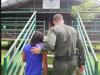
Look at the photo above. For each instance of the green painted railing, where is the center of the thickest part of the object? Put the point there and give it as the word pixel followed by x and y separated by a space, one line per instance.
pixel 14 63
pixel 11 29
pixel 91 64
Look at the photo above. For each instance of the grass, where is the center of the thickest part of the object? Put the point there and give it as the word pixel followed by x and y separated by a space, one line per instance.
pixel 96 46
pixel 50 60
pixel 98 56
pixel 3 52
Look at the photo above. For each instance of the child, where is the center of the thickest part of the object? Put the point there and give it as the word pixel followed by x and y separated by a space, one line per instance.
pixel 33 61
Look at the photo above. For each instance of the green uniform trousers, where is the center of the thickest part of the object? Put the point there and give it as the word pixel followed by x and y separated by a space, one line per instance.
pixel 65 68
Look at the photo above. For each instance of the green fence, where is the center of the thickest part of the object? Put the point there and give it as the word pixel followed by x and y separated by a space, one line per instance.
pixel 91 66
pixel 11 29
pixel 14 63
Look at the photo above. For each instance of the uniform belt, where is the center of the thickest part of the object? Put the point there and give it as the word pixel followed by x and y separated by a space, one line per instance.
pixel 67 58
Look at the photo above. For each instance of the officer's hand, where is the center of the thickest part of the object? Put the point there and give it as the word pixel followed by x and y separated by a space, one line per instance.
pixel 35 50
pixel 80 70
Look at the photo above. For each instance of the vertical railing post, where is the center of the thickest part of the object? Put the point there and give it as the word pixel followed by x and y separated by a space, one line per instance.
pixel 44 27
pixel 96 68
pixel 35 22
pixel 5 66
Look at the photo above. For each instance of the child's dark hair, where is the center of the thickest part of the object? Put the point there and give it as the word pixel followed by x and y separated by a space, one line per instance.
pixel 36 38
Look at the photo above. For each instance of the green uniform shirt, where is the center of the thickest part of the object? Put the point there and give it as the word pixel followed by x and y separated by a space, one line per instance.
pixel 63 40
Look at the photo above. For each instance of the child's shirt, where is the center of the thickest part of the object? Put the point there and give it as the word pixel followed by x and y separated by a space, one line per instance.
pixel 33 61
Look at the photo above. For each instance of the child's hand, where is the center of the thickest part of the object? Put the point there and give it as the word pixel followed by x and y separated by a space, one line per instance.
pixel 35 50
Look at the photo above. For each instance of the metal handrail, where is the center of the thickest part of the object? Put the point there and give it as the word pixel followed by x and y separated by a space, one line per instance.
pixel 85 46
pixel 31 27
pixel 90 69
pixel 87 37
pixel 20 34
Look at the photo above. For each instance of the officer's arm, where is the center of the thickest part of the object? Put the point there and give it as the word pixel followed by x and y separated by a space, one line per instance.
pixel 50 41
pixel 48 44
pixel 81 49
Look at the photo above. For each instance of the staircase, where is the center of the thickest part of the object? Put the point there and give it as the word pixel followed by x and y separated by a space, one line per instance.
pixel 15 66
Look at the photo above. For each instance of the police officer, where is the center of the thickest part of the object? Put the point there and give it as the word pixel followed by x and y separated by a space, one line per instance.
pixel 63 41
